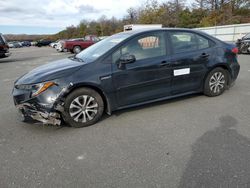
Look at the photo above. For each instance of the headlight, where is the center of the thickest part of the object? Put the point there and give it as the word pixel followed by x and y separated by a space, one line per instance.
pixel 36 89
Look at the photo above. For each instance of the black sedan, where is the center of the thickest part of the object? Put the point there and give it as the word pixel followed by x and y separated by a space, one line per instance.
pixel 125 70
pixel 43 42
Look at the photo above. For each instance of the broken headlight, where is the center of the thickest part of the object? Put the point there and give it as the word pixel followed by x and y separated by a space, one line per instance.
pixel 36 89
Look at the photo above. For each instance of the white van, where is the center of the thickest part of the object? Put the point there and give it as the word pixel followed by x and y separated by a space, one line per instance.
pixel 141 26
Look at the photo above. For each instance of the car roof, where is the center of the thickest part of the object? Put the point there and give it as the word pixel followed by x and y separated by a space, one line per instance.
pixel 158 29
pixel 141 31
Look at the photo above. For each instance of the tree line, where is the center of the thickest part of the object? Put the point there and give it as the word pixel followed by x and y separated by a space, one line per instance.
pixel 171 13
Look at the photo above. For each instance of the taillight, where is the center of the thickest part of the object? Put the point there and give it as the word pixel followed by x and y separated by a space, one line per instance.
pixel 235 50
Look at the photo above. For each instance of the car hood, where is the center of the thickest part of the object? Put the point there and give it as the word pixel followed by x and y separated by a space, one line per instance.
pixel 50 71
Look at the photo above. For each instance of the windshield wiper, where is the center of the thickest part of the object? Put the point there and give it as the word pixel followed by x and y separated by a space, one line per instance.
pixel 74 58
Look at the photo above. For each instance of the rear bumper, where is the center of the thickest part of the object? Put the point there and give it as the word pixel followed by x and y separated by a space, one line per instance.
pixel 235 69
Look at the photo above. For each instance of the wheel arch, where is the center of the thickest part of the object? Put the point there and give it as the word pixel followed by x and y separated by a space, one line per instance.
pixel 76 45
pixel 223 66
pixel 107 107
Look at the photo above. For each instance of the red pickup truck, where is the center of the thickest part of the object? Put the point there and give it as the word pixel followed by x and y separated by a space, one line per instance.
pixel 77 45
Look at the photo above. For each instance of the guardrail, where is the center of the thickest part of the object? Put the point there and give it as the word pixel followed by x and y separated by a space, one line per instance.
pixel 228 33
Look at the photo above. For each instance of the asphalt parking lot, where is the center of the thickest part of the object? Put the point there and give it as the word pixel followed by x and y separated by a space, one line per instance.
pixel 193 141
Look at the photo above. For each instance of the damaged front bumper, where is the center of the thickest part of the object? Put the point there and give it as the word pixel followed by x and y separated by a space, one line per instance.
pixel 46 107
pixel 28 110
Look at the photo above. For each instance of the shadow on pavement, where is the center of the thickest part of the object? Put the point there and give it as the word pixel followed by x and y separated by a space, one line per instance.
pixel 220 158
pixel 12 60
pixel 154 104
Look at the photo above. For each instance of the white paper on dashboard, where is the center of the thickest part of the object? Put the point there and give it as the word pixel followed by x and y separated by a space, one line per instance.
pixel 179 72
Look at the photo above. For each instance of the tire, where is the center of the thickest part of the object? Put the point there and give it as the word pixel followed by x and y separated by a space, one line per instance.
pixel 216 82
pixel 77 49
pixel 83 107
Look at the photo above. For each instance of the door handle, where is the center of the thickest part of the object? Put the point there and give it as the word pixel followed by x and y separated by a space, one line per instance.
pixel 204 55
pixel 164 63
pixel 176 62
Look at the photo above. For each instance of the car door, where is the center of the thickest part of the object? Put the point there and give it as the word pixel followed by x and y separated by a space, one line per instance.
pixel 149 77
pixel 190 54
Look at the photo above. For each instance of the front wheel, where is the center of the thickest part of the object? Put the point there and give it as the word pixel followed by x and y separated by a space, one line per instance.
pixel 83 107
pixel 216 82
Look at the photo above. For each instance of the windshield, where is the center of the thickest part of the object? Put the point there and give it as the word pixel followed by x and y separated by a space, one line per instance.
pixel 93 52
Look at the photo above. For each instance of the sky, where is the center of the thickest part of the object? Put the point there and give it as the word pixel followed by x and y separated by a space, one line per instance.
pixel 52 16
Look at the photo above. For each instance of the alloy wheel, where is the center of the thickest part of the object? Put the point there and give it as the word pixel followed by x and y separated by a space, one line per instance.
pixel 83 108
pixel 217 82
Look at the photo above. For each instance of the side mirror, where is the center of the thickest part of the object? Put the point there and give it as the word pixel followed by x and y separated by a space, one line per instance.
pixel 127 58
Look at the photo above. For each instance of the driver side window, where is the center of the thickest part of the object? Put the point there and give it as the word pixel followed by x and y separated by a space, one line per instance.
pixel 143 47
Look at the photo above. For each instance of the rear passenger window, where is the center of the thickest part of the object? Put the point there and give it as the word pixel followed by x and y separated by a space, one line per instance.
pixel 187 41
pixel 183 42
pixel 202 42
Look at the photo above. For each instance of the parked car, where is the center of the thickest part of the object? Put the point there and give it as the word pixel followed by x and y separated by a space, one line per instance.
pixel 43 42
pixel 243 44
pixel 59 46
pixel 11 45
pixel 33 43
pixel 15 44
pixel 4 48
pixel 126 70
pixel 77 45
pixel 26 43
pixel 54 44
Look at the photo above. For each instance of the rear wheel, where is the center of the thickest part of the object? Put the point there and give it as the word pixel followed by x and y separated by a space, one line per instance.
pixel 83 107
pixel 216 82
pixel 77 49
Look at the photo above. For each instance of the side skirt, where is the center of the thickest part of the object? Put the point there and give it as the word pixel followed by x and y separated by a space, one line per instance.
pixel 159 99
